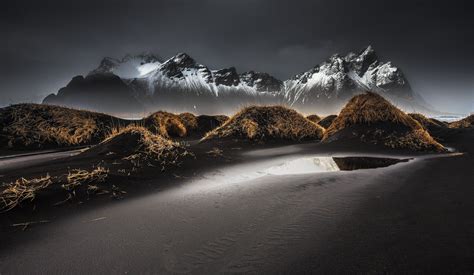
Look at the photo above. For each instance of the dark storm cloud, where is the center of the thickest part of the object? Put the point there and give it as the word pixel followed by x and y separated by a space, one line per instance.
pixel 45 43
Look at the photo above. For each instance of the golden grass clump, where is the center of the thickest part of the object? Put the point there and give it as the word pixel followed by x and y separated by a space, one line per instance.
pixel 166 124
pixel 370 118
pixel 78 177
pixel 141 147
pixel 314 118
pixel 40 126
pixel 267 123
pixel 22 189
pixel 467 122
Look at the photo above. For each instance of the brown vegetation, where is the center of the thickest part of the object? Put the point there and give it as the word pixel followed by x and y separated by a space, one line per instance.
pixel 467 122
pixel 36 126
pixel 207 123
pixel 14 193
pixel 314 118
pixel 183 125
pixel 428 123
pixel 372 119
pixel 22 189
pixel 139 147
pixel 78 177
pixel 166 124
pixel 325 122
pixel 267 123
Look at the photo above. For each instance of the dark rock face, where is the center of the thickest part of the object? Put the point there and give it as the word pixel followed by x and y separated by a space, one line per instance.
pixel 360 62
pixel 173 67
pixel 263 82
pixel 206 73
pixel 227 77
pixel 107 65
pixel 103 92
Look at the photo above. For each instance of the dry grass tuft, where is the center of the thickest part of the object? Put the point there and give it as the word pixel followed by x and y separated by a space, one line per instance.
pixel 27 189
pixel 314 118
pixel 183 125
pixel 22 189
pixel 140 147
pixel 467 122
pixel 40 126
pixel 260 123
pixel 371 118
pixel 78 177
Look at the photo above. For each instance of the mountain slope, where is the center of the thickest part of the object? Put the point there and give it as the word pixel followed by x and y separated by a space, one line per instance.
pixel 98 92
pixel 369 118
pixel 341 77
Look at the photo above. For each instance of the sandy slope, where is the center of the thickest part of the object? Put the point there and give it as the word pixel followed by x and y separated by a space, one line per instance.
pixel 410 216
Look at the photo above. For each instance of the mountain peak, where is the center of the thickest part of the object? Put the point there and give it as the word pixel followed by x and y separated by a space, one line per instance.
pixel 181 82
pixel 368 50
pixel 263 82
pixel 130 66
pixel 361 62
pixel 183 59
pixel 144 57
pixel 174 66
pixel 227 76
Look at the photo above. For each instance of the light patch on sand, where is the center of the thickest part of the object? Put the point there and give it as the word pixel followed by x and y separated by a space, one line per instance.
pixel 304 166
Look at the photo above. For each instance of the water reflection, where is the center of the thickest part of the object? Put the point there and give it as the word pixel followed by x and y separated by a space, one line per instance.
pixel 290 166
pixel 308 165
pixel 355 163
pixel 304 166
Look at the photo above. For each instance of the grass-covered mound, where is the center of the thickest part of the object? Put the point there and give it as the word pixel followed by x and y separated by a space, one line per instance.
pixel 182 125
pixel 36 126
pixel 467 122
pixel 371 119
pixel 166 124
pixel 325 122
pixel 435 127
pixel 267 123
pixel 139 147
pixel 314 118
pixel 200 125
pixel 428 123
pixel 189 120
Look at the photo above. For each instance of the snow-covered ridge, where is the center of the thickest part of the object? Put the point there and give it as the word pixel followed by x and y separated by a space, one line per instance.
pixel 343 76
pixel 183 72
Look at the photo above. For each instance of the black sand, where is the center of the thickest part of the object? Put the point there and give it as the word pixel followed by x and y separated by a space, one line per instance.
pixel 215 217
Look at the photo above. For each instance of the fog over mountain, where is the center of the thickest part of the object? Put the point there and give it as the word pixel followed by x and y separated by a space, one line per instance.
pixel 48 43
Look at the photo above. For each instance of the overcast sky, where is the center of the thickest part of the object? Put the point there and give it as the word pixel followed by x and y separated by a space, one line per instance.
pixel 45 43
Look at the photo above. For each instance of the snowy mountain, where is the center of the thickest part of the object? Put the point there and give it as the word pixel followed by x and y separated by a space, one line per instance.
pixel 130 66
pixel 181 84
pixel 332 82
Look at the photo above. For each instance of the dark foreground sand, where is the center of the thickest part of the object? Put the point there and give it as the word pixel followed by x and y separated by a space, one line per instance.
pixel 410 217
